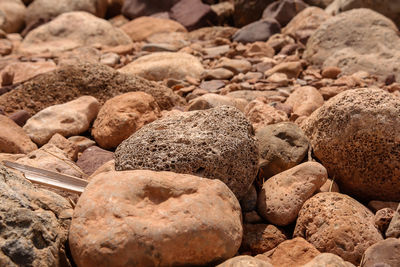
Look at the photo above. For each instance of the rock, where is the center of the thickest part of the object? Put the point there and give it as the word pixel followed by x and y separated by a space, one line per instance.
pixel 212 86
pixel 331 72
pixel 24 71
pixel 249 201
pixel 46 10
pixel 20 117
pixel 123 115
pixel 294 252
pixel 337 42
pixel 70 148
pixel 257 31
pixel 244 261
pixel 346 128
pixel 217 74
pixel 110 59
pixel 192 14
pixel 319 3
pixel 328 260
pixel 78 80
pixel 223 12
pixel 12 14
pixel 71 118
pixel 81 142
pixel 212 33
pixel 329 186
pixel 376 205
pixel 252 217
pixel 93 158
pixel 208 101
pixel 291 69
pixel 177 214
pixel 394 226
pixel 163 65
pixel 348 226
pixel 251 95
pixel 304 24
pixel 136 8
pixel 34 224
pixel 382 219
pixel 72 30
pixel 283 195
pixel 248 11
pixel 305 100
pixel 283 11
pixel 384 252
pixel 6 47
pixel 216 143
pixel 234 65
pixel 259 238
pixel 13 139
pixel 142 28
pixel 260 49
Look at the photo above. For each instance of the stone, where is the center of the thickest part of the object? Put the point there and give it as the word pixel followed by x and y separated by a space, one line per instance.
pixel 304 24
pixel 110 59
pixel 70 148
pixel 305 100
pixel 257 31
pixel 208 101
pixel 346 128
pixel 24 71
pixel 394 226
pixel 144 27
pixel 291 69
pixel 384 252
pixel 282 146
pixel 259 49
pixel 163 65
pixel 152 218
pixel 6 47
pixel 123 115
pixel 284 11
pixel 260 238
pixel 244 261
pixel 137 8
pixel 215 143
pixel 319 3
pixel 13 138
pixel 81 142
pixel 78 80
pixel 212 33
pixel 251 95
pixel 252 217
pixel 249 201
pixel 217 74
pixel 34 223
pixel 46 10
pixel 382 219
pixel 294 252
pixel 331 72
pixel 376 205
pixel 20 117
pixel 348 226
pixel 329 186
pixel 79 56
pixel 71 118
pixel 337 42
pixel 72 30
pixel 283 195
pixel 192 14
pixel 12 14
pixel 234 65
pixel 93 158
pixel 248 11
pixel 223 12
pixel 212 86
pixel 328 260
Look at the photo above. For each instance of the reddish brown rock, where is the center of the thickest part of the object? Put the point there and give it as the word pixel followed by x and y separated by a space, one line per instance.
pixel 136 8
pixel 284 11
pixel 192 14
pixel 13 139
pixel 70 148
pixel 242 261
pixel 305 100
pixel 291 69
pixel 93 158
pixel 331 72
pixel 12 14
pixel 382 219
pixel 384 253
pixel 20 117
pixel 328 260
pixel 260 238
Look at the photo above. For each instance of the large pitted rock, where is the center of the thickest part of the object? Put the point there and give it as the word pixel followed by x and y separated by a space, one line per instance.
pixel 13 139
pixel 45 10
pixel 163 65
pixel 136 8
pixel 72 30
pixel 350 126
pixel 123 115
pixel 78 80
pixel 245 261
pixel 348 228
pixel 12 14
pixel 72 118
pixel 147 218
pixel 359 39
pixel 34 223
pixel 283 195
pixel 217 143
pixel 383 252
pixel 282 146
pixel 327 260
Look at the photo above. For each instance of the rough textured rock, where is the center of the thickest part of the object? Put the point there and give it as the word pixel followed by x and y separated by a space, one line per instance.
pixel 305 100
pixel 208 101
pixel 257 31
pixel 384 252
pixel 192 14
pixel 260 238
pixel 34 223
pixel 154 218
pixel 244 261
pixel 215 143
pixel 350 126
pixel 72 30
pixel 71 118
pixel 74 81
pixel 70 148
pixel 359 39
pixel 144 27
pixel 12 14
pixel 383 218
pixel 13 139
pixel 328 260
pixel 394 226
pixel 136 8
pixel 248 11
pixel 283 11
pixel 163 65
pixel 123 115
pixel 283 195
pixel 45 10
pixel 93 158
pixel 282 146
pixel 348 226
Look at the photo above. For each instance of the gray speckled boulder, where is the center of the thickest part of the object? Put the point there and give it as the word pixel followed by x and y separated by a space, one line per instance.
pixel 216 143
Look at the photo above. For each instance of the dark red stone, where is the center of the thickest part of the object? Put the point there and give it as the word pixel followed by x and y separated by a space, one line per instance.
pixel 92 158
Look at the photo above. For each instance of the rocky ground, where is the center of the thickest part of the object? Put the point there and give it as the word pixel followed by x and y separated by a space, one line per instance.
pixel 229 133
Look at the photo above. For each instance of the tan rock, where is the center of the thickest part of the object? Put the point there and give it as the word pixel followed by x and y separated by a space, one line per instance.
pixel 328 260
pixel 292 253
pixel 10 157
pixel 291 69
pixel 26 70
pixel 305 100
pixel 331 72
pixel 348 228
pixel 67 119
pixel 245 261
pixel 162 65
pixel 154 218
pixel 214 100
pixel 144 27
pixel 383 253
pixel 329 186
pixel 81 142
pixel 12 14
pixel 70 148
pixel 260 238
pixel 383 218
pixel 123 115
pixel 109 166
pixel 283 195
pixel 13 139
pixel 234 65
